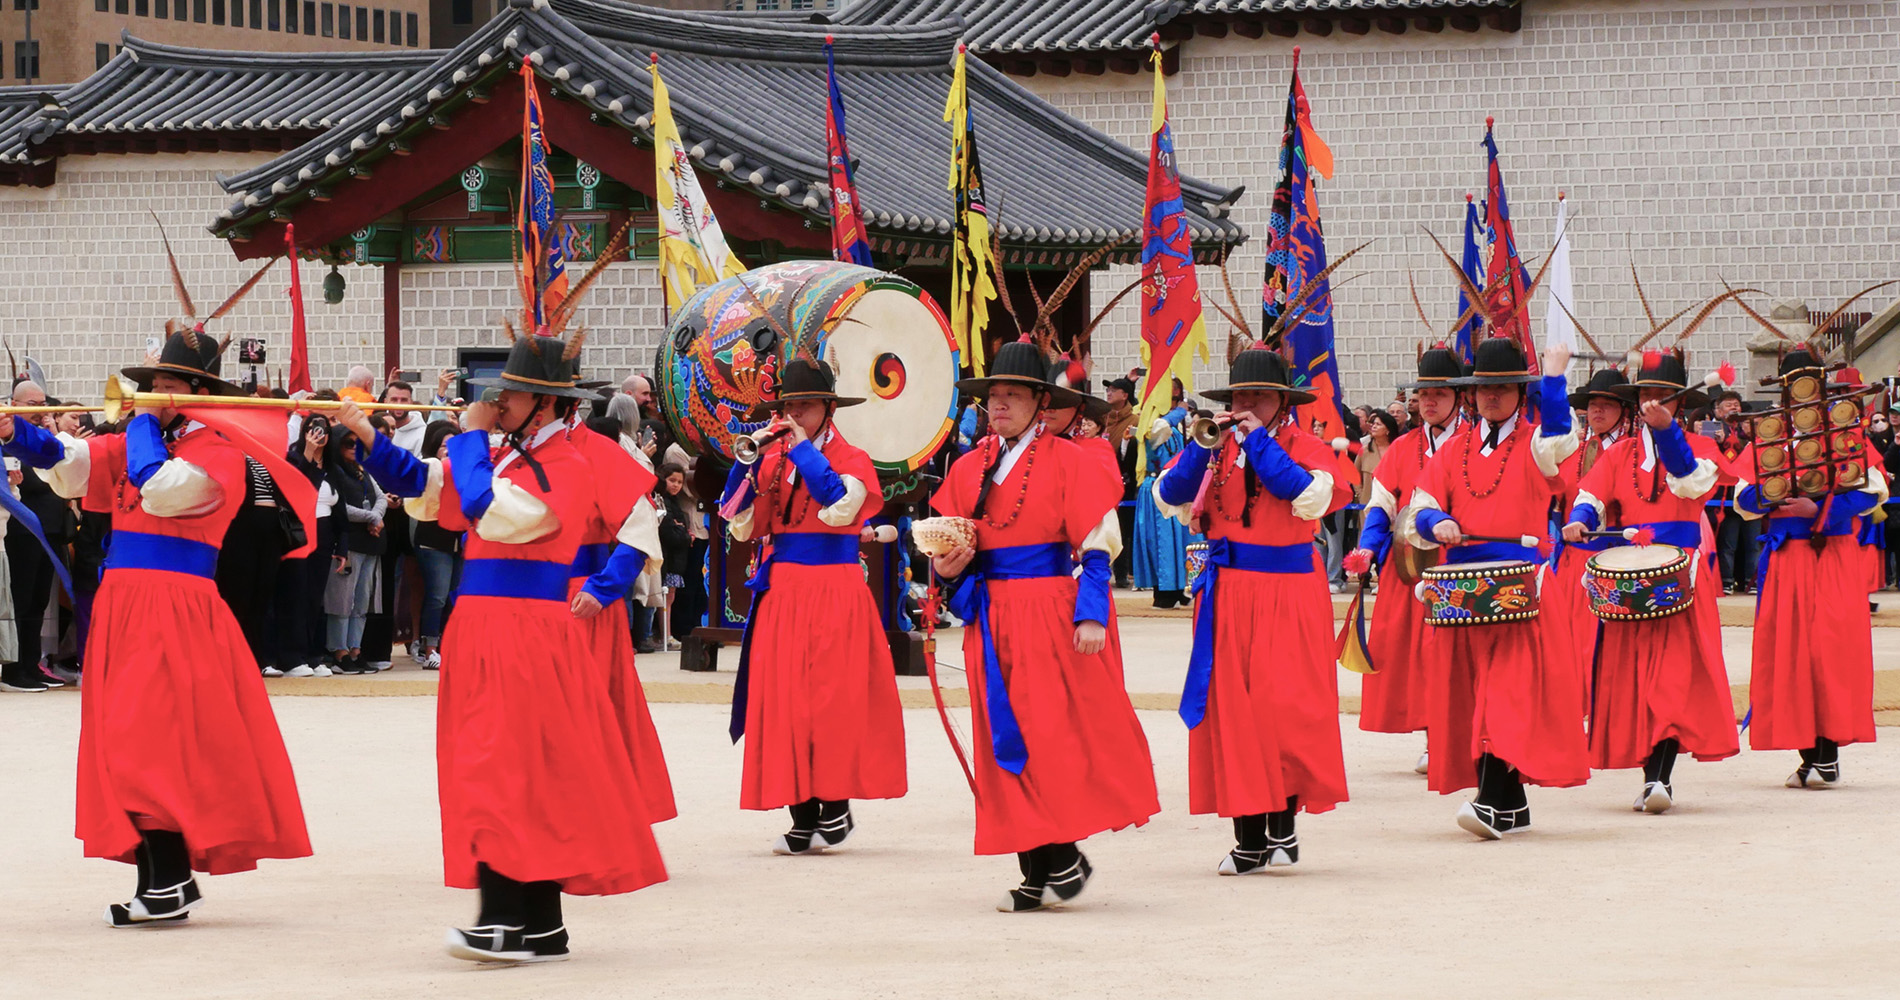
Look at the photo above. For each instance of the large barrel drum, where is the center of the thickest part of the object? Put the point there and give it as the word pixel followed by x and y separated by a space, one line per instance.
pixel 887 340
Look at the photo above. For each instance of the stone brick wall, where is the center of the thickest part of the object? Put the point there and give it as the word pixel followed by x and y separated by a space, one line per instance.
pixel 84 283
pixel 1750 141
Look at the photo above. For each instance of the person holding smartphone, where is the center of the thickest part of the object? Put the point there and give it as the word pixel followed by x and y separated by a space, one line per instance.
pixel 1736 538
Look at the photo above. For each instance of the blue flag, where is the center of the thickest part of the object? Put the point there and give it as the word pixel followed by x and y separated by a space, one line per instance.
pixel 1473 265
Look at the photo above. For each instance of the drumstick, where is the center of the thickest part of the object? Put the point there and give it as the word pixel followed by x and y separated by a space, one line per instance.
pixel 1527 541
pixel 1626 534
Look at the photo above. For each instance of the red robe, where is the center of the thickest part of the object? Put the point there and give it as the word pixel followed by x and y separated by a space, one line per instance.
pixel 822 716
pixel 1088 767
pixel 1499 693
pixel 175 725
pixel 1566 609
pixel 619 482
pixel 1272 724
pixel 1662 677
pixel 1392 698
pixel 532 767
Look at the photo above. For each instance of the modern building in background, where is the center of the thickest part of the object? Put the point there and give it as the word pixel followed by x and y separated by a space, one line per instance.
pixel 63 41
pixel 452 21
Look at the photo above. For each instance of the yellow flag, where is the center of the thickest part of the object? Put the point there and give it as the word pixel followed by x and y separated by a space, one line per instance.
pixel 693 250
pixel 972 269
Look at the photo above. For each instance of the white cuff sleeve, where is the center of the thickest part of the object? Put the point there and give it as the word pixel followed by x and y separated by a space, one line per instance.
pixel 71 476
pixel 1183 513
pixel 642 530
pixel 1550 452
pixel 1408 521
pixel 740 527
pixel 1587 499
pixel 846 509
pixel 1312 502
pixel 180 489
pixel 1747 515
pixel 1106 537
pixel 1693 486
pixel 515 516
pixel 1160 431
pixel 1877 485
pixel 428 506
pixel 1382 499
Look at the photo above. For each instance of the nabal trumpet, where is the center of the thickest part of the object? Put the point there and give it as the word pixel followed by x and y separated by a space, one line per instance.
pixel 122 398
pixel 747 448
pixel 1208 432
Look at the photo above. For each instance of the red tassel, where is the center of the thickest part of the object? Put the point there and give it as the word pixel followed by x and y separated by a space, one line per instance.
pixel 1644 536
pixel 1726 372
pixel 1358 562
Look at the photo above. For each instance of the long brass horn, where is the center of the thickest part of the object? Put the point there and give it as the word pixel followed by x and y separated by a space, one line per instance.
pixel 122 398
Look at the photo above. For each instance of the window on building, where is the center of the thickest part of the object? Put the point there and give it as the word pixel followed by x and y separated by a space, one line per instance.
pixel 198 11
pixel 409 26
pixel 142 8
pixel 376 26
pixel 767 5
pixel 801 4
pixel 460 11
pixel 273 15
pixel 101 54
pixel 362 24
pixel 162 9
pixel 329 20
pixel 237 15
pixel 101 6
pixel 309 17
pixel 118 7
pixel 26 60
pixel 30 5
pixel 217 11
pixel 178 10
pixel 343 21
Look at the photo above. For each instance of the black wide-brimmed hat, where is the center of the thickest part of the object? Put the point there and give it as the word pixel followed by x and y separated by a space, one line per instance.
pixel 1663 370
pixel 1498 361
pixel 1261 369
pixel 1020 362
pixel 541 365
pixel 1606 384
pixel 192 355
pixel 802 378
pixel 1438 368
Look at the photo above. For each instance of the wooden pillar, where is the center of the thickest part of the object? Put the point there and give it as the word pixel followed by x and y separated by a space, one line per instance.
pixel 392 318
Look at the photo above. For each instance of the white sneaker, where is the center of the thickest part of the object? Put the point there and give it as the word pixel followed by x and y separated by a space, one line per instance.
pixel 321 670
pixel 1424 765
pixel 381 665
pixel 433 661
pixel 1656 799
pixel 301 670
pixel 273 672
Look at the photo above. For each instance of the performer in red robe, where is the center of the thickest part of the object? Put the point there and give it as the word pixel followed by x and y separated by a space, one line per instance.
pixel 1060 755
pixel 816 697
pixel 1658 686
pixel 1261 699
pixel 1811 680
pixel 1499 715
pixel 537 792
pixel 604 571
pixel 181 765
pixel 1393 697
pixel 1566 608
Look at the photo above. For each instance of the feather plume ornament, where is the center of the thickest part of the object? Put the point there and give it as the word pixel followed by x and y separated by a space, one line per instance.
pixel 1296 310
pixel 1702 317
pixel 1239 316
pixel 996 255
pixel 178 277
pixel 1664 325
pixel 1042 330
pixel 1641 296
pixel 573 348
pixel 1478 300
pixel 1585 334
pixel 1856 297
pixel 1411 280
pixel 1752 314
pixel 571 302
pixel 508 324
pixel 1086 337
pixel 238 296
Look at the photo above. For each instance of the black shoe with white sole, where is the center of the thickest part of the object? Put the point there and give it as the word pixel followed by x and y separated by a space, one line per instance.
pixel 1239 862
pixel 1021 899
pixel 1491 823
pixel 797 842
pixel 834 825
pixel 157 907
pixel 1657 798
pixel 1283 851
pixel 1068 883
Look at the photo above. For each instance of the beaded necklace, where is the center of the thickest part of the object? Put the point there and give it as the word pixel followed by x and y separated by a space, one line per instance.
pixel 1655 474
pixel 1222 471
pixel 991 459
pixel 1504 461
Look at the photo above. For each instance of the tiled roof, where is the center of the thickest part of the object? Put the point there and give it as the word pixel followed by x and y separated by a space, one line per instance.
pixel 1322 6
pixel 748 98
pixel 18 105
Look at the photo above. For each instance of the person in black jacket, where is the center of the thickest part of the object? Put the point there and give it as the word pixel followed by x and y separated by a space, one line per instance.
pixel 349 594
pixel 300 582
pixel 676 537
pixel 30 568
pixel 248 562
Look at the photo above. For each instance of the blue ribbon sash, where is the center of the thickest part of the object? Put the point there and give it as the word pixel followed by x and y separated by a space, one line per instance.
pixel 522 579
pixel 971 602
pixel 803 548
pixel 139 550
pixel 1222 554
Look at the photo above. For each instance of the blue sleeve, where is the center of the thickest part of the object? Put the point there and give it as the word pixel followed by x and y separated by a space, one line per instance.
pixel 1275 469
pixel 34 446
pixel 1376 534
pixel 1181 481
pixel 395 470
pixel 1672 446
pixel 144 448
pixel 1748 498
pixel 823 482
pixel 738 478
pixel 1554 406
pixel 1585 515
pixel 1091 589
pixel 1427 519
pixel 1842 511
pixel 474 472
pixel 616 578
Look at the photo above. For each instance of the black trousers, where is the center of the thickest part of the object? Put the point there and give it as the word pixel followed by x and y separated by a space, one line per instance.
pixel 31 570
pixel 299 604
pixel 1124 564
pixel 248 564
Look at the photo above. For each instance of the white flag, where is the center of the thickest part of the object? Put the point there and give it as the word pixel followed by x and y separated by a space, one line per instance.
pixel 1558 328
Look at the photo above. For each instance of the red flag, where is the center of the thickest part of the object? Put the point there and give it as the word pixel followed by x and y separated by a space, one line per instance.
pixel 259 431
pixel 1505 273
pixel 299 348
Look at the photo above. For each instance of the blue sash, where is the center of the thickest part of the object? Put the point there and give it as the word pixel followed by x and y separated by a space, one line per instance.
pixel 139 550
pixel 591 559
pixel 524 579
pixel 803 548
pixel 971 602
pixel 1223 553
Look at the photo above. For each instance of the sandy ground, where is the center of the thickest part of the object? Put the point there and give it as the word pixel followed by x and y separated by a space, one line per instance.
pixel 1748 889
